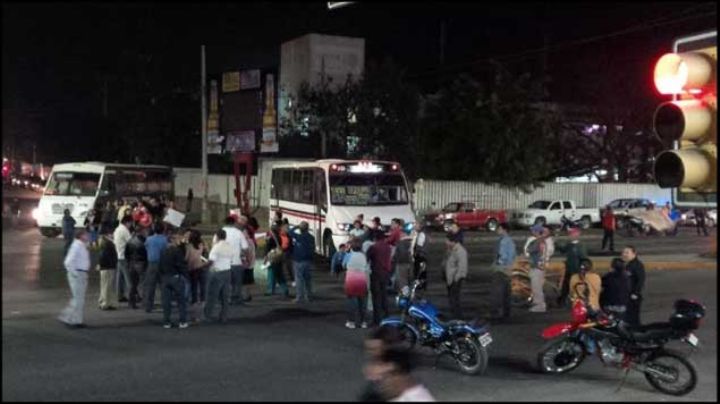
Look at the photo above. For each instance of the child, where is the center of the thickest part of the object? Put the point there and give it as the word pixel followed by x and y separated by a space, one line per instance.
pixel 589 286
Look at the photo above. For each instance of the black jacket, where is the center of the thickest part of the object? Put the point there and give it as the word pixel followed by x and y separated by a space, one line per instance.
pixel 135 250
pixel 637 276
pixel 108 255
pixel 172 262
pixel 615 289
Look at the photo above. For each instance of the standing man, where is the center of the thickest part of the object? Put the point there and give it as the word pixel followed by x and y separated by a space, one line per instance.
pixel 700 221
pixel 456 269
pixel 68 229
pixel 121 236
pixel 403 261
pixel 535 250
pixel 637 282
pixel 502 269
pixel 173 269
pixel 379 256
pixel 238 243
pixel 574 253
pixel 609 223
pixel 77 265
pixel 136 256
pixel 107 264
pixel 220 257
pixel 302 255
pixel 154 245
pixel 417 248
pixel 190 197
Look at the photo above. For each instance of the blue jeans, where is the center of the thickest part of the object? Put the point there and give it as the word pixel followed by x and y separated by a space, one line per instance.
pixel 173 287
pixel 124 286
pixel 152 279
pixel 356 309
pixel 303 279
pixel 276 276
pixel 236 276
pixel 218 286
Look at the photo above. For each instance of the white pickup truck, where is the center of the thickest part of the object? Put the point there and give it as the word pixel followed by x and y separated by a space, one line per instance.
pixel 551 212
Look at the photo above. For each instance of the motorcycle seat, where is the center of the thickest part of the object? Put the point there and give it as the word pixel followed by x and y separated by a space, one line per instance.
pixel 652 331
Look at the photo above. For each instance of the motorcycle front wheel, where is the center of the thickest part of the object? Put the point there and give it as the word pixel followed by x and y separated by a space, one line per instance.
pixel 671 372
pixel 561 355
pixel 471 357
pixel 408 339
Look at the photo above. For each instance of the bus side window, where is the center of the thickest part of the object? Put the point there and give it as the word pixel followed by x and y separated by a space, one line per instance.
pixel 320 189
pixel 308 188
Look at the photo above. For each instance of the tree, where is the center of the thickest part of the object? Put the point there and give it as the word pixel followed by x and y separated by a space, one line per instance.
pixel 490 133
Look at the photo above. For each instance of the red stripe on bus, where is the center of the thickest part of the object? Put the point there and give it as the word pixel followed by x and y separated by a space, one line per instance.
pixel 302 215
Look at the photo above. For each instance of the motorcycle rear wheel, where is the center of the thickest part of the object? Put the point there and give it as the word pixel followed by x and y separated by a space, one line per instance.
pixel 672 363
pixel 561 355
pixel 472 358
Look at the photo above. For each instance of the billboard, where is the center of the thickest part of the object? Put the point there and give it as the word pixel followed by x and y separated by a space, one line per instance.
pixel 240 141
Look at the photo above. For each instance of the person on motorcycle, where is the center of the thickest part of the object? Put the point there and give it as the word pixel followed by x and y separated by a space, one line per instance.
pixel 575 252
pixel 586 285
pixel 392 374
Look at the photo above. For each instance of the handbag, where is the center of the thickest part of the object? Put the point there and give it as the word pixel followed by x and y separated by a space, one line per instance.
pixel 276 254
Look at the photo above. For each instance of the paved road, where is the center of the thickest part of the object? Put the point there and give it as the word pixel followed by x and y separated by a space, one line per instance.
pixel 273 350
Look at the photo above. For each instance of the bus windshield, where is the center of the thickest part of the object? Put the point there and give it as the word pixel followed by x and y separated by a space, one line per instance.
pixel 364 190
pixel 73 184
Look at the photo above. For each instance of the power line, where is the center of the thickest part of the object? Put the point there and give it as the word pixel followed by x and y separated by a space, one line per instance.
pixel 522 54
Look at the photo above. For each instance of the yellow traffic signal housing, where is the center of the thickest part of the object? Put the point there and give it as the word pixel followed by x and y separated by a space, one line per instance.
pixel 689 122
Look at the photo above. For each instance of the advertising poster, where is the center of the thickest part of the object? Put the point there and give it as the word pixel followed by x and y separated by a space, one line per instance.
pixel 230 82
pixel 240 141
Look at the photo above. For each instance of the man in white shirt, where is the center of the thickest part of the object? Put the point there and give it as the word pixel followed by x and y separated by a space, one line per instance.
pixel 239 244
pixel 390 371
pixel 77 265
pixel 121 236
pixel 220 260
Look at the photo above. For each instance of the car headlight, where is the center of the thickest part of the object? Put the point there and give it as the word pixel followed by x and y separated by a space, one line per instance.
pixel 35 214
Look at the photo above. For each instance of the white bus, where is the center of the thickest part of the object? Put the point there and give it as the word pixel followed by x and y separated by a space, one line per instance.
pixel 373 188
pixel 81 187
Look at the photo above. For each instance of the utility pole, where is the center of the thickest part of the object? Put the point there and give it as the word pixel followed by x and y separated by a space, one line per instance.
pixel 203 106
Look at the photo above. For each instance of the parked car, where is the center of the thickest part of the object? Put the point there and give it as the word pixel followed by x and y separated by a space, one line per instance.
pixel 688 218
pixel 550 213
pixel 467 216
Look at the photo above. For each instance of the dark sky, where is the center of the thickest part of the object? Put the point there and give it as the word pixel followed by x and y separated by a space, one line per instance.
pixel 56 55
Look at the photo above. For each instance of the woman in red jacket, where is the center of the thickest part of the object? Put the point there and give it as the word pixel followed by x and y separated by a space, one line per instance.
pixel 608 224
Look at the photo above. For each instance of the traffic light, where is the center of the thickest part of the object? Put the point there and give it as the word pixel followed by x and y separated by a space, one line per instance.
pixel 689 121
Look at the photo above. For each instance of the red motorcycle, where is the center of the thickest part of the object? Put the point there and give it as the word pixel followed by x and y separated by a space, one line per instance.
pixel 619 345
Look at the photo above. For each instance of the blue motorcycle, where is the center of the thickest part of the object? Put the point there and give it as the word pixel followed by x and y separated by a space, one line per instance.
pixel 419 323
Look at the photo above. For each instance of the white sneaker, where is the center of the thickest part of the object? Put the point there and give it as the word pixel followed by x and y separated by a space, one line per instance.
pixel 167 326
pixel 350 325
pixel 538 308
pixel 183 325
pixel 363 325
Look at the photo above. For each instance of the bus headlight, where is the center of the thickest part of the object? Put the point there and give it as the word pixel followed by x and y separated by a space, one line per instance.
pixel 35 214
pixel 344 226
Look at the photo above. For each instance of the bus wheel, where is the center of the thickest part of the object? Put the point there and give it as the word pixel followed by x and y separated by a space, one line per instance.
pixel 328 246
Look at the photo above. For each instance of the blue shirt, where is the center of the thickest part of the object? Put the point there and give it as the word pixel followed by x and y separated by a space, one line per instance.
pixel 68 224
pixel 506 251
pixel 338 259
pixel 303 246
pixel 154 245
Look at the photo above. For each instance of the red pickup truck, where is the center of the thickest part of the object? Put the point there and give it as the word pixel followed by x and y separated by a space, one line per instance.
pixel 466 215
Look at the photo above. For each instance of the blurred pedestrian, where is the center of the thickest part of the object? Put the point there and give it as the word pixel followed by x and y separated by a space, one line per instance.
pixel 358 230
pixel 456 270
pixel 121 236
pixel 379 256
pixel 219 287
pixel 136 256
pixel 173 269
pixel 609 224
pixel 77 265
pixel 336 262
pixel 636 270
pixel 574 252
pixel 536 251
pixel 154 245
pixel 107 264
pixel 391 373
pixel 303 252
pixel 377 341
pixel 68 229
pixel 505 252
pixel 586 285
pixel 615 293
pixel 190 196
pixel 238 243
pixel 700 215
pixel 417 248
pixel 403 261
pixel 356 285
